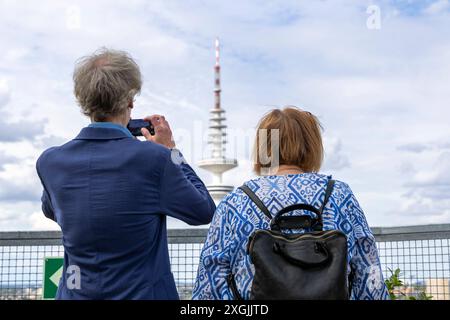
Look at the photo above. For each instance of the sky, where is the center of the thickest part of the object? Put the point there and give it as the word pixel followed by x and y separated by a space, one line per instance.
pixel 376 73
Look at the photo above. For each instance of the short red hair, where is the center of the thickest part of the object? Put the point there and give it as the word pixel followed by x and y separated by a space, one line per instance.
pixel 300 139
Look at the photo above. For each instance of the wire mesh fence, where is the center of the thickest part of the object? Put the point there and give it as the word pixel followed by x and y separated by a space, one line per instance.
pixel 424 265
pixel 422 253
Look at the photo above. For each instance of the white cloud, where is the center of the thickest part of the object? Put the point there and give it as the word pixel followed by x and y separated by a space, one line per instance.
pixel 39 222
pixel 18 216
pixel 438 6
pixel 19 182
pixel 335 158
pixel 4 92
pixel 414 147
pixel 6 159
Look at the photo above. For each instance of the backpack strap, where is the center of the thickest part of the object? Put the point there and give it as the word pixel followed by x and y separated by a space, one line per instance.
pixel 328 192
pixel 256 200
pixel 233 287
pixel 230 278
pixel 318 225
pixel 301 222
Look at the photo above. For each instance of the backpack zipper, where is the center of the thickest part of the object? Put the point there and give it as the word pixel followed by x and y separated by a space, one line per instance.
pixel 331 234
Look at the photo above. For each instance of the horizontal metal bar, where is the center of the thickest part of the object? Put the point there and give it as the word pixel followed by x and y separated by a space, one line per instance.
pixel 30 238
pixel 29 235
pixel 53 238
pixel 187 233
pixel 30 242
pixel 197 235
pixel 407 233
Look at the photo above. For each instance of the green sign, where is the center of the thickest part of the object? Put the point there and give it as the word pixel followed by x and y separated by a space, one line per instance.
pixel 53 269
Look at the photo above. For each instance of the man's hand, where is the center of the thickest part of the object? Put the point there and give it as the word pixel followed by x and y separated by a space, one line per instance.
pixel 163 133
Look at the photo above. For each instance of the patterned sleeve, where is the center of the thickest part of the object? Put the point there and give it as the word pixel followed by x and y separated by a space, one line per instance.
pixel 368 282
pixel 214 265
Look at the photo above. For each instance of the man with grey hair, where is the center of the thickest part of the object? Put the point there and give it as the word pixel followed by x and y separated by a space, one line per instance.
pixel 110 193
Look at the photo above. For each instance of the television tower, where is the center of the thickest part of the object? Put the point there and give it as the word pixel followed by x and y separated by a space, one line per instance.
pixel 217 164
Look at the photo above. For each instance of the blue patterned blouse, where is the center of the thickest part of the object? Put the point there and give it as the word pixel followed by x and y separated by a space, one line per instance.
pixel 237 217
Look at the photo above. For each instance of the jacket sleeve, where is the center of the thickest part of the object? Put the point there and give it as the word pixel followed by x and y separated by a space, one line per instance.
pixel 183 194
pixel 367 277
pixel 214 266
pixel 47 207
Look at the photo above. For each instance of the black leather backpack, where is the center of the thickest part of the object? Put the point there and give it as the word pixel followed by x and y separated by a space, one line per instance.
pixel 307 266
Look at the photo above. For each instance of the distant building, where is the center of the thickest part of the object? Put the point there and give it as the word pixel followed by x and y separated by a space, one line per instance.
pixel 438 288
pixel 28 292
pixel 185 290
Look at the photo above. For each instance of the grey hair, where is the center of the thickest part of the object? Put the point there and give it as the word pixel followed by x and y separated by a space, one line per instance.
pixel 105 83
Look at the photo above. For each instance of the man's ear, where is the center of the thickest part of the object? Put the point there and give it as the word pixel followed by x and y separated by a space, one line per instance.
pixel 130 104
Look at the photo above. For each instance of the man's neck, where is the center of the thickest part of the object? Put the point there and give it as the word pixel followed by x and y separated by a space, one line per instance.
pixel 119 121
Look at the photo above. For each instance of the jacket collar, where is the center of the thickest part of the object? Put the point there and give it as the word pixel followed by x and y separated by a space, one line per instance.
pixel 99 133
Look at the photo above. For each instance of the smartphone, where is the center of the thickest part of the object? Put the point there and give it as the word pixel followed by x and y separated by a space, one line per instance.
pixel 135 126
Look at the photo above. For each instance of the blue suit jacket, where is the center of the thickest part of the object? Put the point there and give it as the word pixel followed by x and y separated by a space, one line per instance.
pixel 110 195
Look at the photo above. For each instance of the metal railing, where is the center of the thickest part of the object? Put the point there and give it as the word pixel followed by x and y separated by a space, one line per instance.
pixel 421 252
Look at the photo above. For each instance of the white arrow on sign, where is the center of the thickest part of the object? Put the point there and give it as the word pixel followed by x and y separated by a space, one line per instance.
pixel 56 276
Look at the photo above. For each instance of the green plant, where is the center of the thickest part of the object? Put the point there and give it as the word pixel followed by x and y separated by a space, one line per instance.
pixel 396 288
